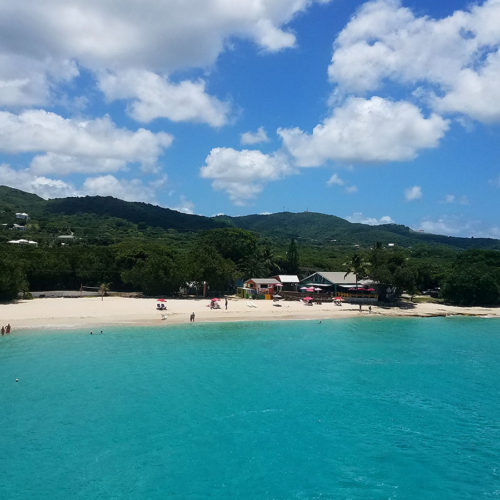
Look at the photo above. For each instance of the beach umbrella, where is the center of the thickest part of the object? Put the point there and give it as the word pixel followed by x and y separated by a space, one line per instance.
pixel 308 298
pixel 370 289
pixel 340 299
pixel 310 289
pixel 215 300
pixel 276 296
pixel 317 289
pixel 161 300
pixel 303 287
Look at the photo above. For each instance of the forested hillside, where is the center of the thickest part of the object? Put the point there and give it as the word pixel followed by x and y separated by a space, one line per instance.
pixel 126 246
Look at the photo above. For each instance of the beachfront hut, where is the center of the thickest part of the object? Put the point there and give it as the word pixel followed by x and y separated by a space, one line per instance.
pixel 259 286
pixel 289 281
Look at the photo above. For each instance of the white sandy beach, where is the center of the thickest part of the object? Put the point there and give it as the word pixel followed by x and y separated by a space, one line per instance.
pixel 94 313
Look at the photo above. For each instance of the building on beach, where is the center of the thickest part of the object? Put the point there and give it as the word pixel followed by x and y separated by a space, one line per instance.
pixel 254 287
pixel 289 281
pixel 332 281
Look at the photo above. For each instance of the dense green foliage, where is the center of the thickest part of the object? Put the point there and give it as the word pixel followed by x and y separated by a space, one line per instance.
pixel 135 246
pixel 474 279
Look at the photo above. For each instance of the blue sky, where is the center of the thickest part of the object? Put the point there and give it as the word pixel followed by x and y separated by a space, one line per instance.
pixel 380 111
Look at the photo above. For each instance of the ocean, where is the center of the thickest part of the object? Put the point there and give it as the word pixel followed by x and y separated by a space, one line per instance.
pixel 367 408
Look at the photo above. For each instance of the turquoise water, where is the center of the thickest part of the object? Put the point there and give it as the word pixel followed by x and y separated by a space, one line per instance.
pixel 365 408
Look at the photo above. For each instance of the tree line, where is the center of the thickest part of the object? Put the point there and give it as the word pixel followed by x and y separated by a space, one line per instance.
pixel 222 257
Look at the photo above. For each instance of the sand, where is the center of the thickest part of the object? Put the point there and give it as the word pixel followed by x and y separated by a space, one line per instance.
pixel 94 313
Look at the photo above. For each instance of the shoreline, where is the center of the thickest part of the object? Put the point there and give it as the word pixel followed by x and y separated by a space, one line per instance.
pixel 94 313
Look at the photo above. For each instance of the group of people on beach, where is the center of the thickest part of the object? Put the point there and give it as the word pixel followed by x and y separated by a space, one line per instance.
pixel 5 329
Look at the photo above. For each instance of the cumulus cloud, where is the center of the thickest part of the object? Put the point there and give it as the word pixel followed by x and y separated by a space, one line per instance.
pixel 359 217
pixel 60 164
pixel 458 54
pixel 124 189
pixel 184 206
pixel 160 37
pixel 42 186
pixel 242 174
pixel 413 193
pixel 455 225
pixel 155 97
pixel 73 143
pixel 366 130
pixel 335 180
pixel 248 138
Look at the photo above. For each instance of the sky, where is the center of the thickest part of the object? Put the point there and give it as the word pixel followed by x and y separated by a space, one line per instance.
pixel 383 111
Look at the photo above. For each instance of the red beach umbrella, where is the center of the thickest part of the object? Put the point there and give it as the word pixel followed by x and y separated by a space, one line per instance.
pixel 215 300
pixel 307 298
pixel 160 300
pixel 340 299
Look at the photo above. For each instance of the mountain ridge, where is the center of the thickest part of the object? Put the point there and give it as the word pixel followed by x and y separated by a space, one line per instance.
pixel 312 228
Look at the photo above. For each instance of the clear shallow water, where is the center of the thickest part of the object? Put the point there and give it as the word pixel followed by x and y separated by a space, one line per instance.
pixel 405 408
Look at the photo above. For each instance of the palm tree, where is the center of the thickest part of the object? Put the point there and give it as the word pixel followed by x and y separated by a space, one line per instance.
pixel 356 265
pixel 104 289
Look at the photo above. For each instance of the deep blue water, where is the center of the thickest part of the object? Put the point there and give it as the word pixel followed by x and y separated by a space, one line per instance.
pixel 360 408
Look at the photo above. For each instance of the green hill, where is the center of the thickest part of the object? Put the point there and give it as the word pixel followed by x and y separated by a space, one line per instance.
pixel 101 220
pixel 142 214
pixel 315 228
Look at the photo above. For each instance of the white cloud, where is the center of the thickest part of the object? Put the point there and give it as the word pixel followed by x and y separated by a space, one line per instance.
pixel 359 217
pixel 72 143
pixel 242 174
pixel 335 180
pixel 451 198
pixel 459 226
pixel 475 93
pixel 413 193
pixel 28 81
pixel 440 226
pixel 60 164
pixel 458 54
pixel 366 130
pixel 40 185
pixel 156 97
pixel 184 206
pixel 254 137
pixel 161 37
pixel 128 190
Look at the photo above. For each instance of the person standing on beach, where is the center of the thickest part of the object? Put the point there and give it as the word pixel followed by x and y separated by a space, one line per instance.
pixel 7 328
pixel 3 330
pixel 225 302
pixel 191 318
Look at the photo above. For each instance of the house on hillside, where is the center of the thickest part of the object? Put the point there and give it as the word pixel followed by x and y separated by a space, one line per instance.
pixel 23 242
pixel 335 281
pixel 289 281
pixel 22 215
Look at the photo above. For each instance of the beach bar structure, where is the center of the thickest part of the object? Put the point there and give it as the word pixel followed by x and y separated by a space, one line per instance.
pixel 260 288
pixel 331 281
pixel 289 281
